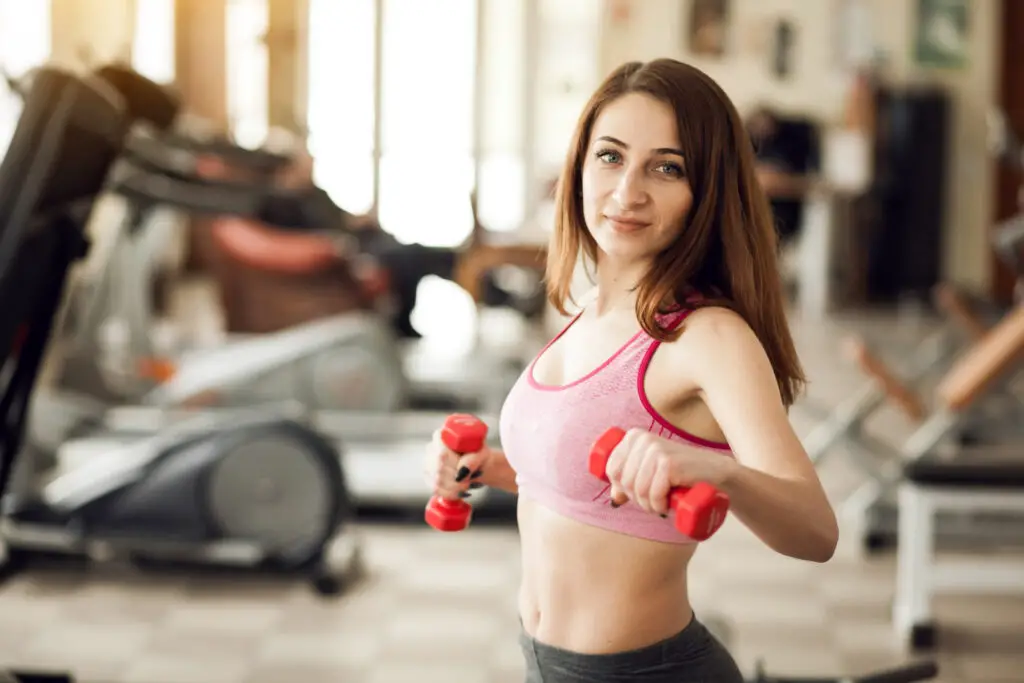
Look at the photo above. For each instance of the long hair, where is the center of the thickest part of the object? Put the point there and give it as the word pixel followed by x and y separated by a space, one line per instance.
pixel 727 253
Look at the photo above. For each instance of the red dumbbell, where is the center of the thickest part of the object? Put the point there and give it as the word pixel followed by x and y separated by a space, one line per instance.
pixel 462 434
pixel 700 510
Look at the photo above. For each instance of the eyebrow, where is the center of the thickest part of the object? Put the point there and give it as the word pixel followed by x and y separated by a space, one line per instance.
pixel 659 150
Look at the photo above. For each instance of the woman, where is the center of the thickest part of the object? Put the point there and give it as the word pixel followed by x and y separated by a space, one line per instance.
pixel 683 342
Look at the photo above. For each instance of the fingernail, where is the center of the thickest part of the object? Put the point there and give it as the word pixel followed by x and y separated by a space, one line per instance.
pixel 664 516
pixel 463 494
pixel 615 504
pixel 462 473
pixel 476 485
pixel 476 475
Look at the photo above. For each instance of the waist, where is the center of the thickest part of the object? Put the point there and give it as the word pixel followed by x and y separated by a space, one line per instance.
pixel 590 590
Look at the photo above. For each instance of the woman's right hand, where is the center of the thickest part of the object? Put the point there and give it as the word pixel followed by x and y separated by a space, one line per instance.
pixel 449 474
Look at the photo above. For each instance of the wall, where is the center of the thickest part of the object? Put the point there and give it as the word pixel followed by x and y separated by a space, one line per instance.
pixel 644 29
pixel 87 32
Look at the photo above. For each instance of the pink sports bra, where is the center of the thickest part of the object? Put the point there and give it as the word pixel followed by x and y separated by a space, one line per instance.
pixel 547 432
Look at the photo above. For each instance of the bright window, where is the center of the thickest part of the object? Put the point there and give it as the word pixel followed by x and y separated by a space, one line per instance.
pixel 153 40
pixel 427 88
pixel 501 184
pixel 247 71
pixel 341 99
pixel 24 44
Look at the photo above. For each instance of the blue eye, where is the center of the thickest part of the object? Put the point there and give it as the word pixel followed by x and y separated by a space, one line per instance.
pixel 609 156
pixel 671 169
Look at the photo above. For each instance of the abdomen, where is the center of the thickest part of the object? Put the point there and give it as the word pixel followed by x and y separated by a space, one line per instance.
pixel 594 591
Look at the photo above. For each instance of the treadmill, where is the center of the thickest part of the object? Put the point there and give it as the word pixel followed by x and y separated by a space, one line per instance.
pixel 67 140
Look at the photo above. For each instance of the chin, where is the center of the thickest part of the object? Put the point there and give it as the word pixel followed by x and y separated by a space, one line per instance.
pixel 617 246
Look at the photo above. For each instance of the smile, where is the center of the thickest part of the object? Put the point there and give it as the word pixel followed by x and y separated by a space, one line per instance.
pixel 623 224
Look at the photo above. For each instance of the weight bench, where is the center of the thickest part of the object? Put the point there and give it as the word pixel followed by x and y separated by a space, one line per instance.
pixel 978 373
pixel 988 480
pixel 991 482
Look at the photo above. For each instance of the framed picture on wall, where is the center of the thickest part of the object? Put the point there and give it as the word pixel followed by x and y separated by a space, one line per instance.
pixel 942 33
pixel 708 30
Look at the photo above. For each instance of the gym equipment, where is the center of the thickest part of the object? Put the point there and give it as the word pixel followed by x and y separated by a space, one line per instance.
pixel 462 434
pixel 994 410
pixel 158 106
pixel 987 366
pixel 346 362
pixel 258 489
pixel 380 452
pixel 972 487
pixel 988 419
pixel 978 484
pixel 699 510
pixel 843 424
pixel 44 203
pixel 910 673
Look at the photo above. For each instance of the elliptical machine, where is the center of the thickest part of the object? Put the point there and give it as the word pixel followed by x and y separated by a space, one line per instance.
pixel 257 489
pixel 346 362
pixel 107 355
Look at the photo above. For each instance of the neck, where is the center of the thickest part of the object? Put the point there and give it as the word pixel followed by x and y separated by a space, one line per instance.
pixel 616 287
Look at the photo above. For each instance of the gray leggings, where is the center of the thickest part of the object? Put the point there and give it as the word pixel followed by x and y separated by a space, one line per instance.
pixel 691 656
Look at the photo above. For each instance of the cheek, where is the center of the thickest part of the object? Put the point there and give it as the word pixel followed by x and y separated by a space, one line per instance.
pixel 590 185
pixel 675 210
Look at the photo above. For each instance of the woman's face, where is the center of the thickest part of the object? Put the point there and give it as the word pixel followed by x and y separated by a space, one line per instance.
pixel 636 195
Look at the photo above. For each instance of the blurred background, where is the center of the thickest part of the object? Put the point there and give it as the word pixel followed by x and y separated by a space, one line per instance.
pixel 328 232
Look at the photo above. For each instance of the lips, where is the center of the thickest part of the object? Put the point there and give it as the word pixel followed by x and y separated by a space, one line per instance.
pixel 626 224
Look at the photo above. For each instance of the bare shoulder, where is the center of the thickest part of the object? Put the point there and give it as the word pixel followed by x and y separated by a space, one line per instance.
pixel 714 331
pixel 717 342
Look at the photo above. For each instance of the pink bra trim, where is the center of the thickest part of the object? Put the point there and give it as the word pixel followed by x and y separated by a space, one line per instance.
pixel 645 362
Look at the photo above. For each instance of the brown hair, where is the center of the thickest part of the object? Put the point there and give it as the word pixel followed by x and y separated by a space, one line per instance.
pixel 728 252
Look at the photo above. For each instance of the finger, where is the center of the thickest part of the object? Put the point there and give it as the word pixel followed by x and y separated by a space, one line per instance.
pixel 618 496
pixel 613 471
pixel 630 467
pixel 661 486
pixel 468 467
pixel 645 474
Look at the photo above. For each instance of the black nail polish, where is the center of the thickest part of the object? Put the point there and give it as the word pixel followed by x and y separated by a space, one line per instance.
pixel 462 473
pixel 664 516
pixel 614 504
pixel 476 475
pixel 463 494
pixel 476 485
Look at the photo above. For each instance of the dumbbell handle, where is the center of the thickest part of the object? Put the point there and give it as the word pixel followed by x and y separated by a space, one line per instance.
pixel 699 510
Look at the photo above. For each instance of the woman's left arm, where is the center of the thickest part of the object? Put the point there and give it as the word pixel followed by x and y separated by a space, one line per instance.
pixel 772 484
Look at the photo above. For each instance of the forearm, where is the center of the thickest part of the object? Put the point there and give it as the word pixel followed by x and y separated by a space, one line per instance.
pixel 791 516
pixel 497 473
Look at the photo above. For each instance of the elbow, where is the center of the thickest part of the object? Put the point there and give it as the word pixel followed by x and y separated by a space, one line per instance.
pixel 820 549
pixel 816 544
pixel 824 550
pixel 825 541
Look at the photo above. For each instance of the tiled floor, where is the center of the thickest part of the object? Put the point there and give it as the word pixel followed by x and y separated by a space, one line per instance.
pixel 442 607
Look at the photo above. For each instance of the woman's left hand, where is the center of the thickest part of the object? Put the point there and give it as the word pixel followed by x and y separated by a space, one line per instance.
pixel 644 467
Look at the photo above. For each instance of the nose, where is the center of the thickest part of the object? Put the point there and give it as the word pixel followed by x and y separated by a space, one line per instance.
pixel 629 190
